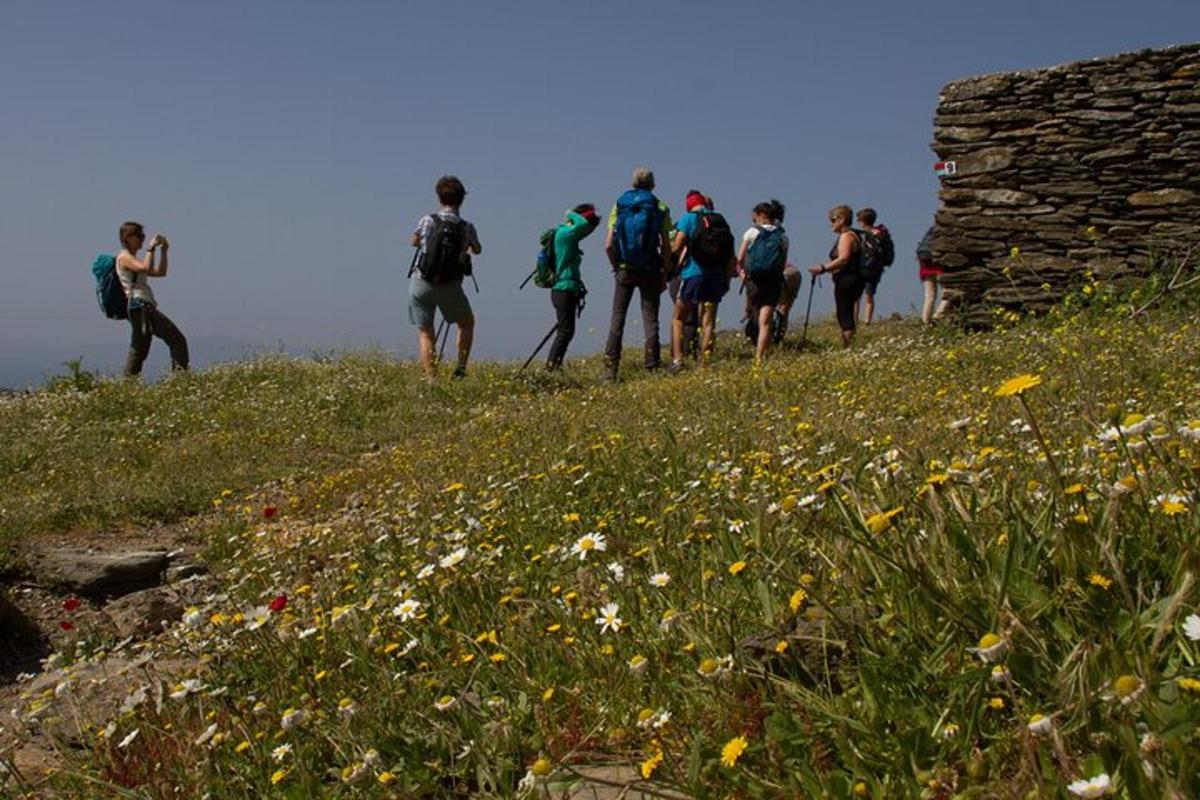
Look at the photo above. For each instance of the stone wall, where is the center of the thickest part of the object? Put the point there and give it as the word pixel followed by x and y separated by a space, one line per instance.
pixel 1089 165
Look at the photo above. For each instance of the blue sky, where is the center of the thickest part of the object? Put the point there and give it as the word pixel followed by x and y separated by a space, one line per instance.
pixel 287 148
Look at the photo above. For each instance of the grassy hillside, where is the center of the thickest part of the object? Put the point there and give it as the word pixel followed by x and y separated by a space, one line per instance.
pixel 938 565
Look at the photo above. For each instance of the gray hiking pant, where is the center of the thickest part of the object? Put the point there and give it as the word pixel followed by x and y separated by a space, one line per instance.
pixel 648 284
pixel 147 321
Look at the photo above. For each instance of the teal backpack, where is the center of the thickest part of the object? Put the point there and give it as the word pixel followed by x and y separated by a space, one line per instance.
pixel 766 252
pixel 109 292
pixel 545 274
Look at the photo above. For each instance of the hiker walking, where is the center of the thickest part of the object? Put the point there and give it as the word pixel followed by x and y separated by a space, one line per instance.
pixel 639 250
pixel 444 242
pixel 844 263
pixel 144 317
pixel 567 291
pixel 761 261
pixel 878 254
pixel 705 247
pixel 931 279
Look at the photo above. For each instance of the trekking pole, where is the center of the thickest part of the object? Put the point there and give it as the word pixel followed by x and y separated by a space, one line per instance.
pixel 540 346
pixel 445 338
pixel 807 311
pixel 413 266
pixel 528 278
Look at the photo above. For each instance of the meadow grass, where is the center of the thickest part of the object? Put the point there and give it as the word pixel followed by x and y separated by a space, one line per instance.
pixel 935 565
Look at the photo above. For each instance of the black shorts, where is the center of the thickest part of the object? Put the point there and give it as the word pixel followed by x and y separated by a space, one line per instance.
pixel 847 289
pixel 764 289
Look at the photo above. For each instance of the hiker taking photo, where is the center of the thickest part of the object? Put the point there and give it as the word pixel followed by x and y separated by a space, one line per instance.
pixel 639 249
pixel 566 283
pixel 145 319
pixel 445 242
pixel 761 261
pixel 845 265
pixel 705 247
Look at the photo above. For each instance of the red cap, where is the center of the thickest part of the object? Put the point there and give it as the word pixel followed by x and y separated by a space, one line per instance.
pixel 695 200
pixel 588 212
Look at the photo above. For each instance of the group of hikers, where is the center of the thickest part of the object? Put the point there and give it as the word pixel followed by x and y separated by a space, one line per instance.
pixel 694 259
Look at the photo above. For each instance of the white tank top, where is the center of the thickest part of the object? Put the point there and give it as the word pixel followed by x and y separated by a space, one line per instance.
pixel 135 284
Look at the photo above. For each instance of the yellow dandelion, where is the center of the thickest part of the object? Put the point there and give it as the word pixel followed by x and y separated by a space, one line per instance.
pixel 1018 385
pixel 733 750
pixel 385 778
pixel 796 601
pixel 736 567
pixel 652 763
pixel 878 523
pixel 1096 579
pixel 279 775
pixel 541 767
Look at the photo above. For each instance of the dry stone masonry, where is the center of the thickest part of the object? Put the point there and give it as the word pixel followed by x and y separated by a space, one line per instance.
pixel 1093 165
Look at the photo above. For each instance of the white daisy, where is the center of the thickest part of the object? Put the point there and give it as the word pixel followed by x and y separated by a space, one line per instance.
pixel 406 610
pixel 1191 627
pixel 1092 787
pixel 608 620
pixel 587 543
pixel 453 558
pixel 659 579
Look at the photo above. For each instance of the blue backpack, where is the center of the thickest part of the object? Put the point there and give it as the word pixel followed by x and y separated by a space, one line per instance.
pixel 638 229
pixel 766 252
pixel 109 292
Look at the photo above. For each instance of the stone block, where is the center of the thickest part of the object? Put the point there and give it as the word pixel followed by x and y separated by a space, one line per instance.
pixel 99 574
pixel 144 613
pixel 1161 197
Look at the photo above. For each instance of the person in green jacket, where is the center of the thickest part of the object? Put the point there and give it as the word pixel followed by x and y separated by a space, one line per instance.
pixel 567 292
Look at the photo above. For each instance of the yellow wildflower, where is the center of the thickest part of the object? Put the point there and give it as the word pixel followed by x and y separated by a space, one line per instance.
pixel 1018 385
pixel 797 600
pixel 652 763
pixel 733 750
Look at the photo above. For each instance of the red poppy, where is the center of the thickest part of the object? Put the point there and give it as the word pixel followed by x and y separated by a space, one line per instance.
pixel 72 603
pixel 270 511
pixel 66 626
pixel 278 603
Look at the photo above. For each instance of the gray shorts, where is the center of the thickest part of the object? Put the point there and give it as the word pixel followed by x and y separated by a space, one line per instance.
pixel 424 298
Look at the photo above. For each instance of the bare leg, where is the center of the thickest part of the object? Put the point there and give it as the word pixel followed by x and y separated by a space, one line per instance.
pixel 764 333
pixel 870 309
pixel 708 319
pixel 427 346
pixel 682 309
pixel 466 336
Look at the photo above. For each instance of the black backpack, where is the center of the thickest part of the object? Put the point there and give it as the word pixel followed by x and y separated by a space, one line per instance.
pixel 444 259
pixel 711 242
pixel 925 246
pixel 870 254
pixel 887 248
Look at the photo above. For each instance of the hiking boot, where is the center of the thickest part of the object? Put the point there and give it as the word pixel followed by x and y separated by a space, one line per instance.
pixel 675 367
pixel 459 372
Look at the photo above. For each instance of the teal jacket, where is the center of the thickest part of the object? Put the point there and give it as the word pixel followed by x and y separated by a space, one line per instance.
pixel 568 255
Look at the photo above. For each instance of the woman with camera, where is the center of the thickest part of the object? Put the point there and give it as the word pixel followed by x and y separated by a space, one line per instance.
pixel 144 317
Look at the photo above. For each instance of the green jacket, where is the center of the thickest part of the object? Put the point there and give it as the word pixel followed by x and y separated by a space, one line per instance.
pixel 567 253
